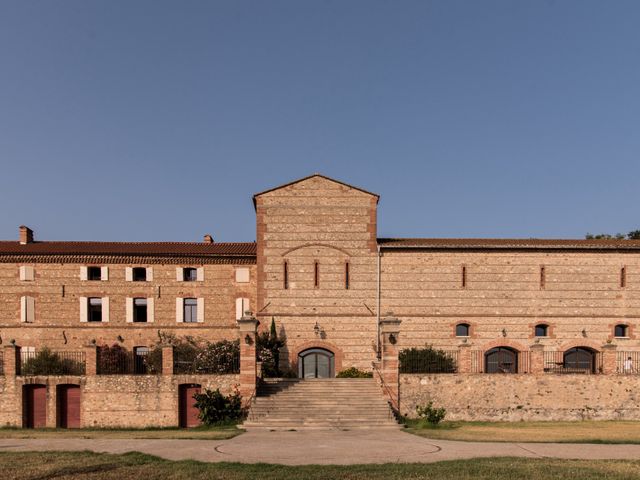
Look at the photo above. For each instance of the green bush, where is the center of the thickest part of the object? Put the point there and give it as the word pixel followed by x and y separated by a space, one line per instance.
pixel 433 416
pixel 46 362
pixel 220 357
pixel 217 408
pixel 268 347
pixel 354 372
pixel 426 360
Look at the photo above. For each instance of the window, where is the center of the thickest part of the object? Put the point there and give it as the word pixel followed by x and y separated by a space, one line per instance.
pixel 541 330
pixel 286 275
pixel 242 275
pixel 501 360
pixel 94 312
pixel 94 273
pixel 139 310
pixel 27 273
pixel 462 330
pixel 346 275
pixel 621 331
pixel 464 276
pixel 139 357
pixel 543 278
pixel 316 274
pixel 190 310
pixel 27 309
pixel 139 274
pixel 623 277
pixel 189 274
pixel 580 358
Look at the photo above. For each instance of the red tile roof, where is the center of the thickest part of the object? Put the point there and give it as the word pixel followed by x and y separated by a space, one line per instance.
pixel 171 249
pixel 508 243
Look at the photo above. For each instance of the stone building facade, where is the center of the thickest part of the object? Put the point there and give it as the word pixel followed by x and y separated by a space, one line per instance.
pixel 319 271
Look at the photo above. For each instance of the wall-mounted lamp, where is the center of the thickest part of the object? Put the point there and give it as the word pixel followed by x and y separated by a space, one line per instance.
pixel 248 340
pixel 504 332
pixel 584 332
pixel 12 341
pixel 93 341
pixel 120 339
pixel 392 339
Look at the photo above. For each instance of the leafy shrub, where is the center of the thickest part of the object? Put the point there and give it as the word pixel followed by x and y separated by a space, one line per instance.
pixel 268 347
pixel 433 416
pixel 426 360
pixel 192 355
pixel 354 372
pixel 216 408
pixel 220 357
pixel 46 362
pixel 113 360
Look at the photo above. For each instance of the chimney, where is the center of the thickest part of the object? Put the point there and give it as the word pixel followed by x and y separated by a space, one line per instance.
pixel 26 235
pixel 208 238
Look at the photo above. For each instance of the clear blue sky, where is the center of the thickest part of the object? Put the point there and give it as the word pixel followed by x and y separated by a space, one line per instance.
pixel 154 120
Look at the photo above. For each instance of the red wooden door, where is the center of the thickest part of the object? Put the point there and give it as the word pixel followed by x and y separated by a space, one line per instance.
pixel 34 399
pixel 188 413
pixel 69 406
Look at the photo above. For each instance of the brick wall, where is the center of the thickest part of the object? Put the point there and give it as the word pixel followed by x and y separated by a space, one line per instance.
pixel 524 397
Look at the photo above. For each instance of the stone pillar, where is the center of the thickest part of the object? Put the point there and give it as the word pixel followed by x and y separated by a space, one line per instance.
pixel 167 360
pixel 464 358
pixel 609 364
pixel 248 329
pixel 11 360
pixel 91 360
pixel 536 359
pixel 390 331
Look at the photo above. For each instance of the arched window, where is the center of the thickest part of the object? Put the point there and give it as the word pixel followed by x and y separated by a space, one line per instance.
pixel 621 330
pixel 501 360
pixel 541 330
pixel 580 358
pixel 462 330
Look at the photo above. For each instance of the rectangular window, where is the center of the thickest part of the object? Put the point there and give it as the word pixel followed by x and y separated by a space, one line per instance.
pixel 464 276
pixel 623 277
pixel 139 274
pixel 94 273
pixel 316 275
pixel 27 273
pixel 543 278
pixel 140 310
pixel 27 309
pixel 140 356
pixel 346 275
pixel 242 275
pixel 94 310
pixel 190 310
pixel 189 274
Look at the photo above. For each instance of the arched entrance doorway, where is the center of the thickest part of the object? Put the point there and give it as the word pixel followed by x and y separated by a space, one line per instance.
pixel 501 360
pixel 316 363
pixel 580 358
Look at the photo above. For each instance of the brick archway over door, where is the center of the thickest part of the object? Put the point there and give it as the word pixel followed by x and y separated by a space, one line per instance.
pixel 337 353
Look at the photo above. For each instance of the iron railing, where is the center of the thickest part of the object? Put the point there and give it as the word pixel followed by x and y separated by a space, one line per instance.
pixel 50 362
pixel 416 360
pixel 556 362
pixel 191 364
pixel 500 361
pixel 124 362
pixel 628 363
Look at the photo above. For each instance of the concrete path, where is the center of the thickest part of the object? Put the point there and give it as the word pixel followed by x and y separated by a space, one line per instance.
pixel 326 447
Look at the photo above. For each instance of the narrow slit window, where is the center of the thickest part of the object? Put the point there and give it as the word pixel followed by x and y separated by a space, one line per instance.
pixel 286 275
pixel 346 275
pixel 543 278
pixel 464 276
pixel 316 275
pixel 623 277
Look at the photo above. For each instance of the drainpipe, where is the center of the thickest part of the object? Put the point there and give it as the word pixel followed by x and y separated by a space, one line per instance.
pixel 378 352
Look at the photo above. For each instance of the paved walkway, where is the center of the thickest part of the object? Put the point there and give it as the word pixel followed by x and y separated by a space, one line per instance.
pixel 326 447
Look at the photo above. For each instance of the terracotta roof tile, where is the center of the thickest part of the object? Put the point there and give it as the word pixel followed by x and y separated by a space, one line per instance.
pixel 508 243
pixel 245 249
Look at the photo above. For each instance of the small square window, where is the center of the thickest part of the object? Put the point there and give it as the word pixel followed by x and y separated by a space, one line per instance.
pixel 139 274
pixel 189 274
pixel 462 330
pixel 541 330
pixel 190 310
pixel 94 273
pixel 140 310
pixel 621 331
pixel 94 310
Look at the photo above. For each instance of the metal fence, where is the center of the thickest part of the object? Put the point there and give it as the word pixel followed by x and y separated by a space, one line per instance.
pixel 500 360
pixel 198 364
pixel 558 362
pixel 628 363
pixel 50 362
pixel 116 361
pixel 427 360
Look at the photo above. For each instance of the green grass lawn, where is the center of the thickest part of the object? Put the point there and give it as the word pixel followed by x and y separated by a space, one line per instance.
pixel 135 466
pixel 199 433
pixel 560 432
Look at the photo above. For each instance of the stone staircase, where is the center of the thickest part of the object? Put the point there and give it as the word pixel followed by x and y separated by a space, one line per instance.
pixel 341 403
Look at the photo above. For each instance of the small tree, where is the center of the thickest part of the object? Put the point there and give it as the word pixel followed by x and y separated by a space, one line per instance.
pixel 433 416
pixel 217 408
pixel 268 347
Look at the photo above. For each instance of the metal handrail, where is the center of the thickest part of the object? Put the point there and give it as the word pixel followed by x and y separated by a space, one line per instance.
pixel 392 399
